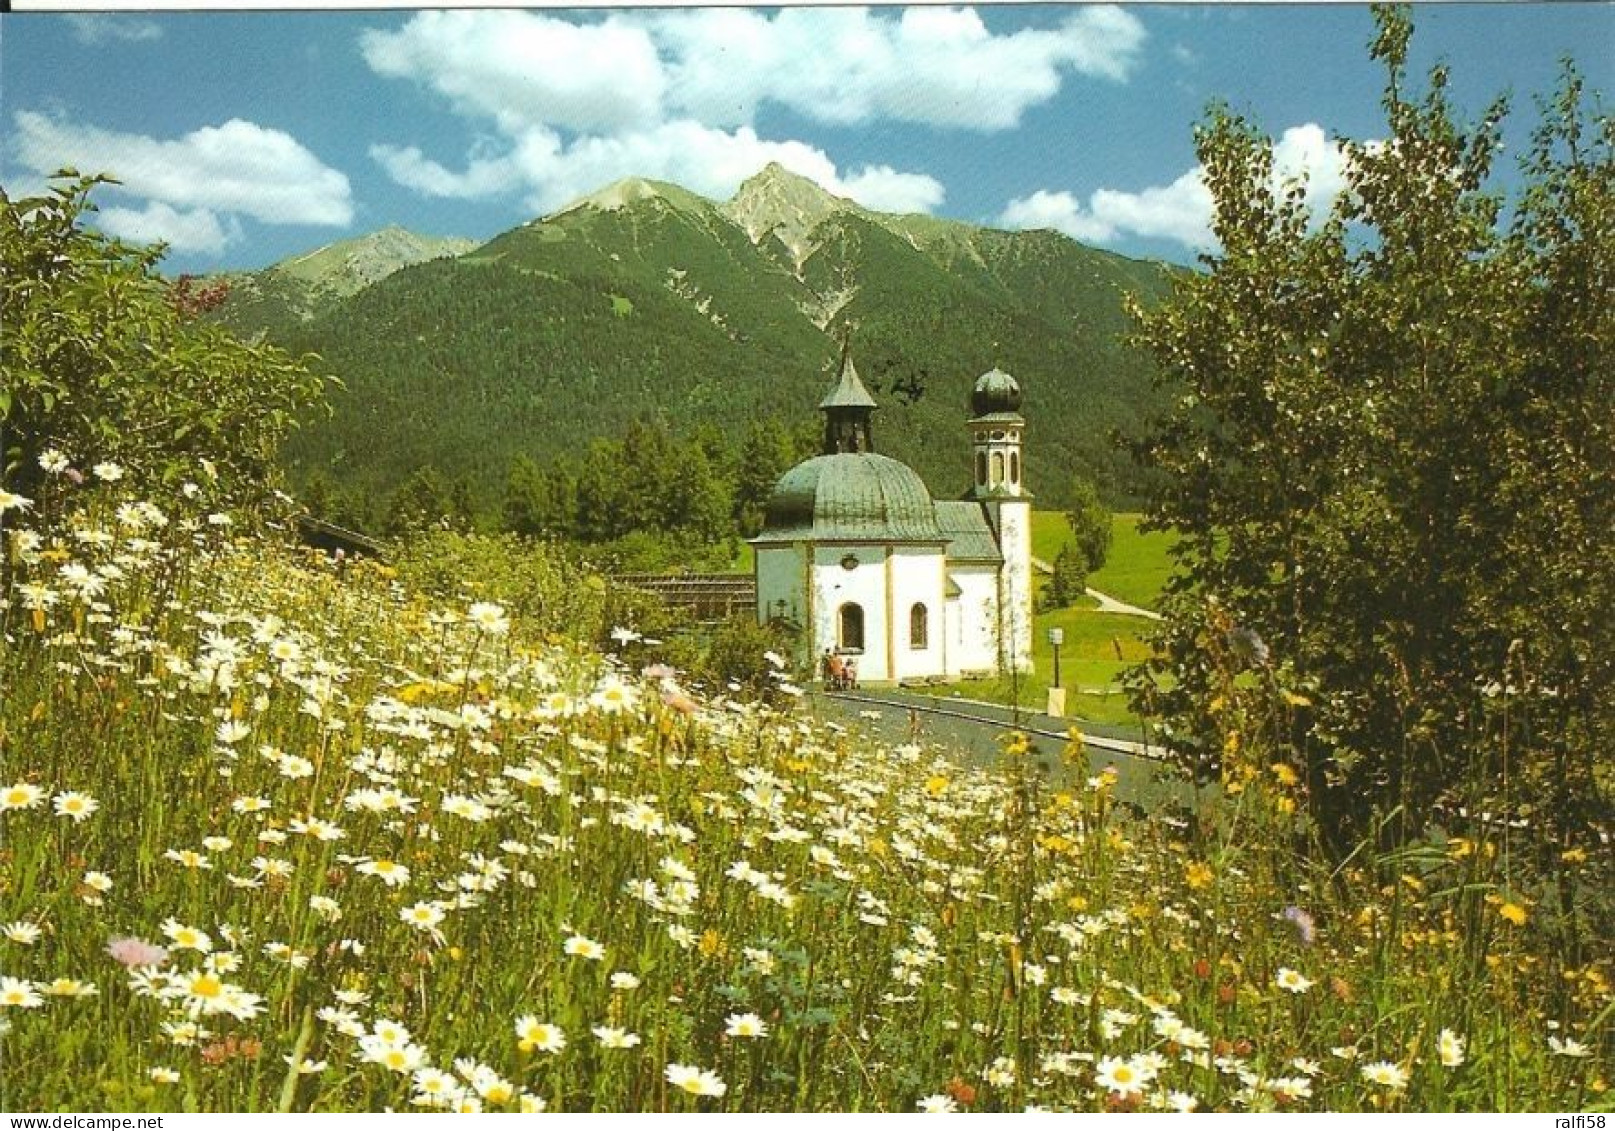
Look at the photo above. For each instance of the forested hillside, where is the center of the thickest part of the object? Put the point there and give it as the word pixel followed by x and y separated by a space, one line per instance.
pixel 647 302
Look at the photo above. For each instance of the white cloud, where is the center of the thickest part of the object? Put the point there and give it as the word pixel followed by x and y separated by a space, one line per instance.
pixel 709 161
pixel 122 28
pixel 238 167
pixel 675 95
pixel 483 177
pixel 886 190
pixel 849 66
pixel 1182 211
pixel 197 231
pixel 521 69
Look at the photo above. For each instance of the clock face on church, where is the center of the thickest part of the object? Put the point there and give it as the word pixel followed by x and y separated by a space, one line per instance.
pixel 850 562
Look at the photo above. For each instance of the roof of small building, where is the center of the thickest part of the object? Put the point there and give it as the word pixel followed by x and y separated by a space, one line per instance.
pixel 848 391
pixel 970 537
pixel 851 497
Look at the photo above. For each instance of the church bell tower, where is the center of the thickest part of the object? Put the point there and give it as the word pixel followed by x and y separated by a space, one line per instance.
pixel 996 428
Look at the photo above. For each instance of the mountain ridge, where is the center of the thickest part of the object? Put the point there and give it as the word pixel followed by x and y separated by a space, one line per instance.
pixel 643 299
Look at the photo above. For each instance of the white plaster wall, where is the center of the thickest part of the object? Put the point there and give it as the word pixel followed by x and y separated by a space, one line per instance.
pixel 976 646
pixel 918 576
pixel 1015 541
pixel 835 585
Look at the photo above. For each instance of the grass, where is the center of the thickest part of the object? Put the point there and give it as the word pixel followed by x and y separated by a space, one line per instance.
pixel 285 835
pixel 1135 569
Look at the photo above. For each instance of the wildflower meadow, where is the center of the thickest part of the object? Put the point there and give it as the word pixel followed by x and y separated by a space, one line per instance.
pixel 278 834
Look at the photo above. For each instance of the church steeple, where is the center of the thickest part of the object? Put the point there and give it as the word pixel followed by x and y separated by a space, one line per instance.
pixel 847 408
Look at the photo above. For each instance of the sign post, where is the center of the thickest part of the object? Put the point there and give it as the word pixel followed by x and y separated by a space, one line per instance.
pixel 1056 692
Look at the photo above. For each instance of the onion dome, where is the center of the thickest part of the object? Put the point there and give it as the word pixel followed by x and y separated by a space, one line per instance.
pixel 996 393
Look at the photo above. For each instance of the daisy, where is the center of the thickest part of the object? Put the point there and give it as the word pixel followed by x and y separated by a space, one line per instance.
pixel 22 932
pixel 938 1103
pixel 1385 1074
pixel 540 1036
pixel 98 882
pixel 1569 1047
pixel 746 1025
pixel 1288 979
pixel 162 1075
pixel 76 805
pixel 425 916
pixel 489 618
pixel 69 987
pixel 580 947
pixel 23 795
pixel 622 980
pixel 1450 1047
pixel 386 871
pixel 1122 1077
pixel 187 938
pixel 615 1038
pixel 18 994
pixel 695 1081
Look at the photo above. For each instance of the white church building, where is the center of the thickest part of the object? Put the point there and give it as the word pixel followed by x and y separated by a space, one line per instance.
pixel 856 552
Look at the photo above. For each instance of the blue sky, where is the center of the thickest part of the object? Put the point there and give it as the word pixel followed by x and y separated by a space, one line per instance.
pixel 243 138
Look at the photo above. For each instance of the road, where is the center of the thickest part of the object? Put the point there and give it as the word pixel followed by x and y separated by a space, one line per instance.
pixel 970 730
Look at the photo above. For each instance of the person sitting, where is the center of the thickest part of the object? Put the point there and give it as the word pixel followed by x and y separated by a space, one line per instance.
pixel 838 673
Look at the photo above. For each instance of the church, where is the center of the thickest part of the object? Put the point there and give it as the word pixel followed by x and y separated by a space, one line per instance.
pixel 856 553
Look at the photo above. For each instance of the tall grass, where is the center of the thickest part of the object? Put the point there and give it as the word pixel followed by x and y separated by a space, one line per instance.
pixel 282 834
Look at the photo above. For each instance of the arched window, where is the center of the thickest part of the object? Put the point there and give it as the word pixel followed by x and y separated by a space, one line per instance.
pixel 850 627
pixel 981 468
pixel 919 628
pixel 1015 467
pixel 998 468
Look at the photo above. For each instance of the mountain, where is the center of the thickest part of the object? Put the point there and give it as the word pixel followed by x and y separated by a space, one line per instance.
pixel 644 299
pixel 295 289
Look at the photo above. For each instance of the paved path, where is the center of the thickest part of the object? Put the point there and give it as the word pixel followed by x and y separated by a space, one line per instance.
pixel 1107 603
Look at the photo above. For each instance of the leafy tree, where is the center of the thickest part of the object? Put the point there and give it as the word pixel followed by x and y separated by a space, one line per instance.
pixel 106 361
pixel 1390 462
pixel 1090 521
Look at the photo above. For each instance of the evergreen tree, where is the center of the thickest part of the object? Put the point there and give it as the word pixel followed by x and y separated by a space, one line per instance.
pixel 1090 522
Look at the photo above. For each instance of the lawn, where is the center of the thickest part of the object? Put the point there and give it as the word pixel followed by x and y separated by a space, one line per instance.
pixel 1135 570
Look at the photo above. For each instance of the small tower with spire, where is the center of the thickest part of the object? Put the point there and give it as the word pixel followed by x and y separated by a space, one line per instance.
pixel 847 409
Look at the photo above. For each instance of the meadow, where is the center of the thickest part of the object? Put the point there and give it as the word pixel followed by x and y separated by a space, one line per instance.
pixel 282 834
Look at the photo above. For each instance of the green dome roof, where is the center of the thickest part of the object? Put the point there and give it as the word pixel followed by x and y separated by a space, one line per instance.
pixel 996 393
pixel 851 496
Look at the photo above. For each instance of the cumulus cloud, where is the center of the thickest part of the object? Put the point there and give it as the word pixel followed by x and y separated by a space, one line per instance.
pixel 521 69
pixel 122 28
pixel 676 95
pixel 1182 211
pixel 193 187
pixel 197 231
pixel 849 66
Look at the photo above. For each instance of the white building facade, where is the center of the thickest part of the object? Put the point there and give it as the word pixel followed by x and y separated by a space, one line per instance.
pixel 856 553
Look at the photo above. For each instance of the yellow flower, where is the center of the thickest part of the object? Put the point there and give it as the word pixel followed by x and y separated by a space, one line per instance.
pixel 1574 856
pixel 1285 773
pixel 1198 875
pixel 1514 913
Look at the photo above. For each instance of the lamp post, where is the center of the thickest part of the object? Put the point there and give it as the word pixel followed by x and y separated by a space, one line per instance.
pixel 1056 692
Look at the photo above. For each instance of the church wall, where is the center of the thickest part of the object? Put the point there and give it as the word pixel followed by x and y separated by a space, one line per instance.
pixel 918 576
pixel 976 646
pixel 865 584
